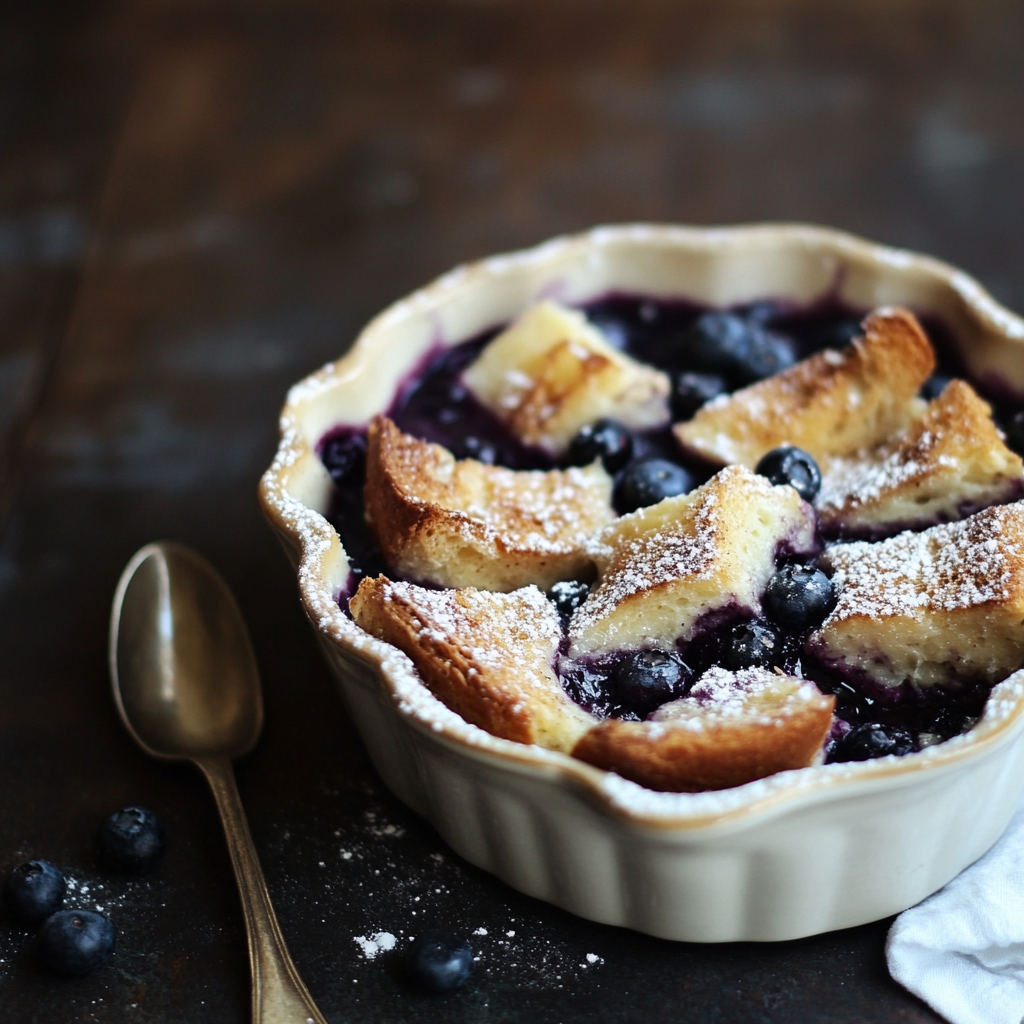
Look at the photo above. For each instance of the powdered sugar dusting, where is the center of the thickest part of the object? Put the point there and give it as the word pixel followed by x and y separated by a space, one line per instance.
pixel 733 693
pixel 379 942
pixel 545 511
pixel 524 510
pixel 687 546
pixel 946 568
pixel 492 631
pixel 665 567
pixel 950 459
pixel 853 483
pixel 755 694
pixel 645 562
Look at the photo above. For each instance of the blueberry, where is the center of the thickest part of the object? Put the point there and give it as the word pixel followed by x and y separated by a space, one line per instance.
pixel 649 481
pixel 1015 433
pixel 799 597
pixel 131 838
pixel 752 645
pixel 615 332
pixel 691 390
pixel 76 941
pixel 740 350
pixel 606 440
pixel 453 411
pixel 439 961
pixel 649 311
pixel 33 891
pixel 769 354
pixel 717 342
pixel 793 466
pixel 870 739
pixel 344 457
pixel 567 596
pixel 471 447
pixel 934 386
pixel 838 334
pixel 761 312
pixel 644 680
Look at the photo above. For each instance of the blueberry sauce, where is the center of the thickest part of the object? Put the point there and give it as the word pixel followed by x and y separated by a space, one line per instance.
pixel 433 404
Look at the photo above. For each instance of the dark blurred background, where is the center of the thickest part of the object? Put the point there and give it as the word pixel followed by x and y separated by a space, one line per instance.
pixel 202 202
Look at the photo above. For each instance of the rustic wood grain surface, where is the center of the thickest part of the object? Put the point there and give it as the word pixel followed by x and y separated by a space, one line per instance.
pixel 202 202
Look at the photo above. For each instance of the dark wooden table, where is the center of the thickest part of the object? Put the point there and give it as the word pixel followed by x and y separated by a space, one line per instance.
pixel 200 203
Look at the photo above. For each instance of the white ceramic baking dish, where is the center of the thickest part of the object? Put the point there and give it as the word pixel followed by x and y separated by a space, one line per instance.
pixel 792 855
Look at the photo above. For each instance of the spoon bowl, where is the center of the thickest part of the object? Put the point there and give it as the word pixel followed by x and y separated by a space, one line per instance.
pixel 184 674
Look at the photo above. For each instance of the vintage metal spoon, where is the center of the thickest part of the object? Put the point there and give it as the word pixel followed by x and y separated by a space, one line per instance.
pixel 187 687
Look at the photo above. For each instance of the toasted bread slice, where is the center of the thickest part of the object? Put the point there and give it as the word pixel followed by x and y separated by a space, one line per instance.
pixel 664 568
pixel 832 404
pixel 487 656
pixel 464 523
pixel 732 728
pixel 551 372
pixel 949 463
pixel 940 606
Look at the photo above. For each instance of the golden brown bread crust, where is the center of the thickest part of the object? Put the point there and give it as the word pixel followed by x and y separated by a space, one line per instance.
pixel 551 372
pixel 705 749
pixel 464 523
pixel 831 404
pixel 950 462
pixel 487 656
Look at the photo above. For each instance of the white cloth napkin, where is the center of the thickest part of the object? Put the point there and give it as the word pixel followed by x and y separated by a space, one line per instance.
pixel 962 950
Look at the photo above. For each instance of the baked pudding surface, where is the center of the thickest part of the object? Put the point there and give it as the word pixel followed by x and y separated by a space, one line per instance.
pixel 450 454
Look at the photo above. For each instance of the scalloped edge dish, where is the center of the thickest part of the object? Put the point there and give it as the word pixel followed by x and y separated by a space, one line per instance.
pixel 791 855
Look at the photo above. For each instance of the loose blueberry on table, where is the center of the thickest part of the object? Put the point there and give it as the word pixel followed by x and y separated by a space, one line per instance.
pixel 706 353
pixel 439 961
pixel 130 839
pixel 33 891
pixel 76 941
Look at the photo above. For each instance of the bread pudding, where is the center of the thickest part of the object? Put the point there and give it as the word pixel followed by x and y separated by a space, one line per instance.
pixel 664 569
pixel 486 655
pixel 731 727
pixel 703 626
pixel 551 372
pixel 951 460
pixel 463 523
pixel 831 404
pixel 937 607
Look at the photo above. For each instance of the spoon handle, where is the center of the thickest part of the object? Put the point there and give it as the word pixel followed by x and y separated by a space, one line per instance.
pixel 278 994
